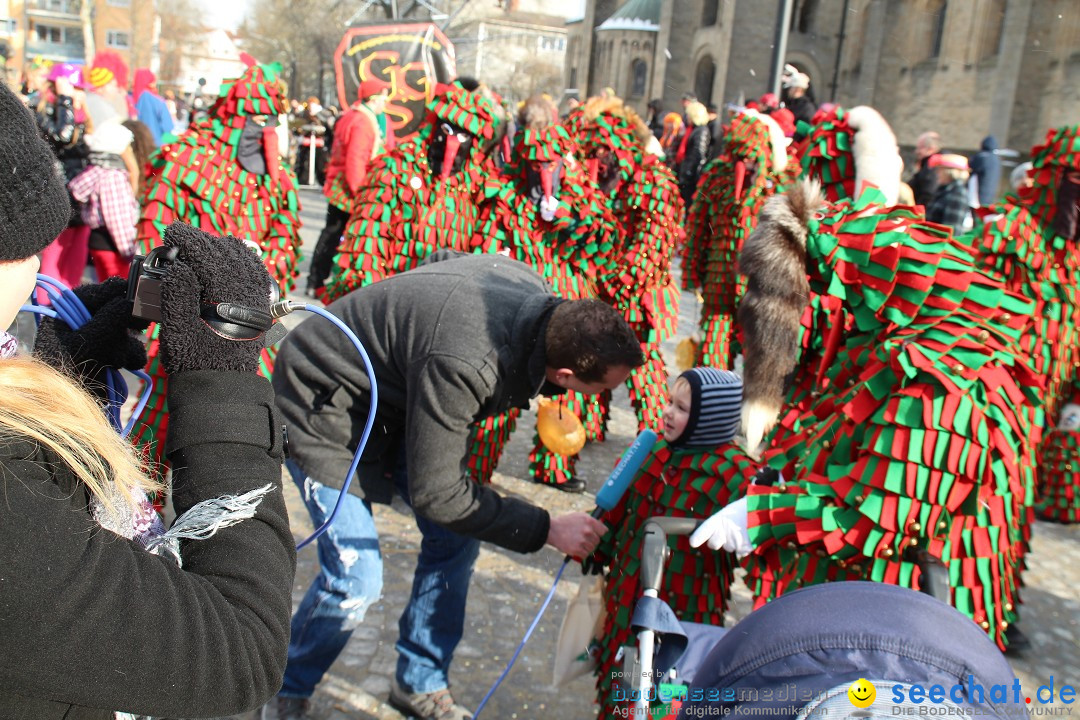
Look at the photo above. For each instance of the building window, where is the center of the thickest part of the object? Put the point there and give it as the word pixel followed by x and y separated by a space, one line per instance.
pixel 992 26
pixel 552 44
pixel 54 5
pixel 710 13
pixel 120 3
pixel 802 16
pixel 936 12
pixel 8 27
pixel 118 39
pixel 573 77
pixel 50 34
pixel 639 75
pixel 704 77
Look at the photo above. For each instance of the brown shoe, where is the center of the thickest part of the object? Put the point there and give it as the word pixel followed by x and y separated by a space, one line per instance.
pixel 438 705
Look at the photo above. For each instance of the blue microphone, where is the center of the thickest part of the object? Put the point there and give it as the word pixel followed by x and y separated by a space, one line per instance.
pixel 612 491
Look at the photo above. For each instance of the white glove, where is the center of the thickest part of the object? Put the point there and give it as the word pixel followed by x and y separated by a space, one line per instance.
pixel 726 529
pixel 1070 418
pixel 547 207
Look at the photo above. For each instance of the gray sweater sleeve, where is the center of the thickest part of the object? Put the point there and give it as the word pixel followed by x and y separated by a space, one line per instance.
pixel 444 398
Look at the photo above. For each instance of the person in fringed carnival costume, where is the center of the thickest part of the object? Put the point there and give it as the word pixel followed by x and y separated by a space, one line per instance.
pixel 733 188
pixel 421 196
pixel 694 471
pixel 903 443
pixel 644 197
pixel 544 211
pixel 224 176
pixel 1030 240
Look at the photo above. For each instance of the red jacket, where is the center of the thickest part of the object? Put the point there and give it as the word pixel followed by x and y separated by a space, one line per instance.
pixel 356 142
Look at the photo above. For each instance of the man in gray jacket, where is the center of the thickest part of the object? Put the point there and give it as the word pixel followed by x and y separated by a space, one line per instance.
pixel 452 342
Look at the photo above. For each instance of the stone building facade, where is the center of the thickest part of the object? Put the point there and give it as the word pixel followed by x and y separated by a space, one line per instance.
pixel 966 68
pixel 517 47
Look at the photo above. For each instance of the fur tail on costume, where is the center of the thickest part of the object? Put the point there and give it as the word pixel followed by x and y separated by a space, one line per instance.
pixel 773 260
pixel 877 158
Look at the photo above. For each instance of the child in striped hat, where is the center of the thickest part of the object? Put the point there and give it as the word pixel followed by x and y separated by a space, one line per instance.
pixel 696 469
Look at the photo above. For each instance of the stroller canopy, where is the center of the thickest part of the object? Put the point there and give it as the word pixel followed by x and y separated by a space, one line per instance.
pixel 797 656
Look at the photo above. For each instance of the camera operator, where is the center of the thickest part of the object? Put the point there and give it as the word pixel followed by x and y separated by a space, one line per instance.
pixel 101 609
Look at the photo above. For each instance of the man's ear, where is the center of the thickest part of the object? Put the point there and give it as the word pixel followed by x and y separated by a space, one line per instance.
pixel 561 376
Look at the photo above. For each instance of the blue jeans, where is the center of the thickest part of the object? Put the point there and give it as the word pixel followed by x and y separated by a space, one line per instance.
pixel 350 581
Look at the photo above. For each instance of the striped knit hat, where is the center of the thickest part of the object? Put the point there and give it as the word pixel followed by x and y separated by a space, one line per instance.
pixel 715 407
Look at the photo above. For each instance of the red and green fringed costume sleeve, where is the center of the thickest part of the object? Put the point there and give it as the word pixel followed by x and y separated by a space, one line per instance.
pixel 401 215
pixel 689 483
pixel 919 435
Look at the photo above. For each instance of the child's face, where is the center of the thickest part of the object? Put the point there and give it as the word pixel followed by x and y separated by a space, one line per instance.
pixel 677 413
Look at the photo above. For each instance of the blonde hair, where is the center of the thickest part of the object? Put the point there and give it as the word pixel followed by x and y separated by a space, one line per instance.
pixel 697 114
pixel 42 405
pixel 678 385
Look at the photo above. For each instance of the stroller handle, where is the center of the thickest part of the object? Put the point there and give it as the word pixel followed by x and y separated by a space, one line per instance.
pixel 654 547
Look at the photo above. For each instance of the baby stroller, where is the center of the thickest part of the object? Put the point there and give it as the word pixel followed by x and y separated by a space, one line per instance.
pixel 797 657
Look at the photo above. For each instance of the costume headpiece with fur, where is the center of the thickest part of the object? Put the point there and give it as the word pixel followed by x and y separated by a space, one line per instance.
pixel 849 149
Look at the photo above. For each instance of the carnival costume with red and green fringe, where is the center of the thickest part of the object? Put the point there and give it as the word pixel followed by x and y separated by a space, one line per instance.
pixel 827 154
pixel 1018 243
pixel 647 209
pixel 697 583
pixel 722 215
pixel 571 252
pixel 405 212
pixel 919 432
pixel 198 180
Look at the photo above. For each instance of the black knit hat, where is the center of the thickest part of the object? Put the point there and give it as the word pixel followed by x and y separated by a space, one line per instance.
pixel 715 407
pixel 34 205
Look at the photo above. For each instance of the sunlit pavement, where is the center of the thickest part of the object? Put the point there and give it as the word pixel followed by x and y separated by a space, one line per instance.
pixel 508 588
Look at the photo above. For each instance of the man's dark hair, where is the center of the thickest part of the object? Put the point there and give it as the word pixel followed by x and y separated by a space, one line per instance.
pixel 590 337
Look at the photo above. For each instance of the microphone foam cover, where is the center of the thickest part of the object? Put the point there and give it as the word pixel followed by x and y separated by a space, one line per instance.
pixel 621 477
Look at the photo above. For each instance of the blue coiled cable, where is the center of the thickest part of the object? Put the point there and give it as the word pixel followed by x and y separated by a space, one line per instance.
pixel 289 306
pixel 65 305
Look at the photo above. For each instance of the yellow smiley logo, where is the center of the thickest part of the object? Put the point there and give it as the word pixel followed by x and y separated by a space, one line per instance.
pixel 861 693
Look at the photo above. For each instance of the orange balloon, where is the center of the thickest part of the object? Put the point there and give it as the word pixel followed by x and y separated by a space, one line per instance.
pixel 560 429
pixel 686 354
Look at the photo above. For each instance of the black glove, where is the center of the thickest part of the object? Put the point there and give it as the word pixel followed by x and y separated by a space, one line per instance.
pixel 105 341
pixel 592 566
pixel 207 271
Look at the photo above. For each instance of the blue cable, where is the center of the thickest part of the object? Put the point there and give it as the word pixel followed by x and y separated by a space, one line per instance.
pixel 137 412
pixel 521 646
pixel 66 306
pixel 372 405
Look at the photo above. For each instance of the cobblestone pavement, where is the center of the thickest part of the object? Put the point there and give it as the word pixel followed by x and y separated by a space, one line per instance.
pixel 508 589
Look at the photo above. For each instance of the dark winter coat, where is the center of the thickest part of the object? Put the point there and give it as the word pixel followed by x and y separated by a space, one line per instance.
pixel 91 620
pixel 986 166
pixel 451 342
pixel 56 121
pixel 803 108
pixel 697 154
pixel 924 182
pixel 950 206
